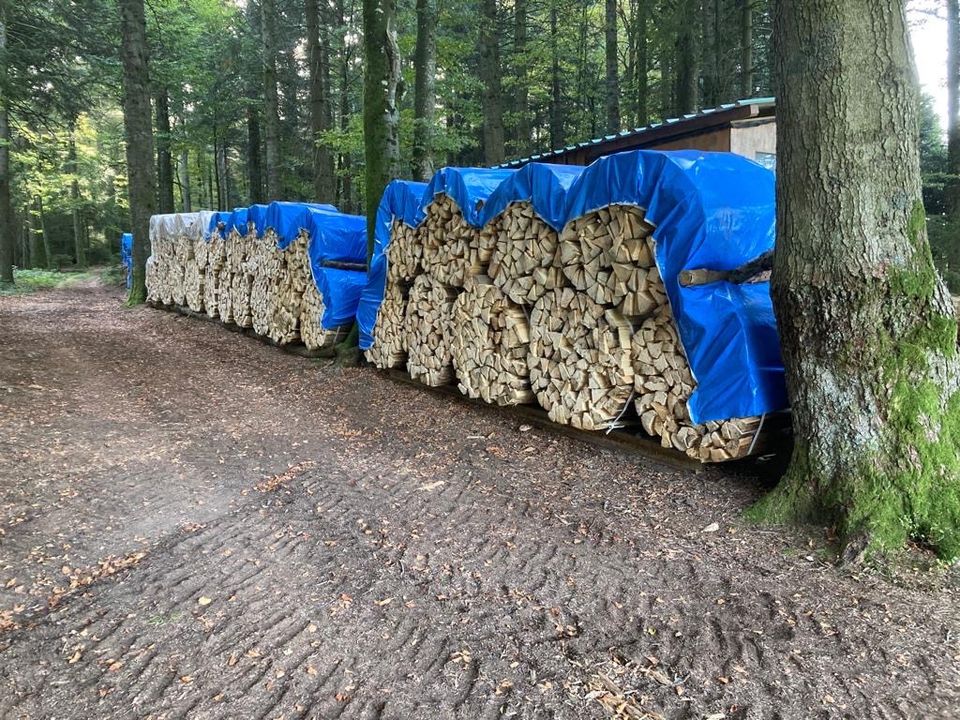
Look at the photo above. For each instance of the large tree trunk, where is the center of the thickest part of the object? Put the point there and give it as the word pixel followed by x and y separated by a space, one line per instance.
pixel 424 97
pixel 867 328
pixel 320 116
pixel 223 174
pixel 44 236
pixel 746 48
pixel 953 106
pixel 72 170
pixel 139 136
pixel 709 51
pixel 6 210
pixel 380 112
pixel 556 97
pixel 687 74
pixel 613 66
pixel 164 159
pixel 522 91
pixel 254 171
pixel 184 170
pixel 491 97
pixel 271 105
pixel 641 87
pixel 38 254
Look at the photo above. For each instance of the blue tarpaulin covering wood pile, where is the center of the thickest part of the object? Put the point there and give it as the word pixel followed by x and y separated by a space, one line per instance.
pixel 709 210
pixel 126 257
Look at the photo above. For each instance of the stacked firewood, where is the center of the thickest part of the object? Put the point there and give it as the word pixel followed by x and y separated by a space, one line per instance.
pixel 244 279
pixel 577 321
pixel 489 343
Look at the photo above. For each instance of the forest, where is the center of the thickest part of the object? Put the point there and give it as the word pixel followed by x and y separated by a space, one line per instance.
pixel 262 100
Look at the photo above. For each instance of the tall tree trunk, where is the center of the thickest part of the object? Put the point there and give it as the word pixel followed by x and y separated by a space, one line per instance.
pixel 746 48
pixel 38 255
pixel 345 193
pixel 45 237
pixel 6 210
pixel 868 332
pixel 380 112
pixel 953 107
pixel 709 52
pixel 72 170
pixel 223 176
pixel 522 91
pixel 556 98
pixel 491 96
pixel 184 169
pixel 254 170
pixel 668 102
pixel 216 170
pixel 323 179
pixel 640 66
pixel 271 105
pixel 139 135
pixel 424 97
pixel 164 159
pixel 613 66
pixel 687 75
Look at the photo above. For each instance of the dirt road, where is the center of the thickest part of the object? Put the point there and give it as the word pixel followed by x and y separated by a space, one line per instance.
pixel 194 524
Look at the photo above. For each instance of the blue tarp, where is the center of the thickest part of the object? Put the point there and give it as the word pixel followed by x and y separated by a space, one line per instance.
pixel 288 218
pixel 126 257
pixel 216 218
pixel 401 200
pixel 341 293
pixel 710 210
pixel 237 221
pixel 469 187
pixel 335 236
pixel 544 185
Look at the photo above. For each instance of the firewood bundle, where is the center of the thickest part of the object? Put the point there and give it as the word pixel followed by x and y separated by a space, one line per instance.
pixel 451 246
pixel 216 257
pixel 579 360
pixel 608 254
pixel 427 324
pixel 404 253
pixel 524 262
pixel 263 264
pixel 389 349
pixel 489 343
pixel 291 277
pixel 664 383
pixel 239 248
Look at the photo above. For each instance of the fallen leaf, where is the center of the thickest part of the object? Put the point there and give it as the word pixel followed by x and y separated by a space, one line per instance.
pixel 712 527
pixel 186 679
pixel 381 603
pixel 204 601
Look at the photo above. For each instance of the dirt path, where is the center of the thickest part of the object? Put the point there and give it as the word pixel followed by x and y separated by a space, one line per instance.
pixel 249 534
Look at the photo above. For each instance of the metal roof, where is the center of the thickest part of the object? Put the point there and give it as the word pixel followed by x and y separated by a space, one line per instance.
pixel 666 129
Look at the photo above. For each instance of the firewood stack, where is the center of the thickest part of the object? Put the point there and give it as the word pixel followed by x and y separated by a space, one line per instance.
pixel 579 360
pixel 451 246
pixel 239 248
pixel 389 349
pixel 428 317
pixel 524 262
pixel 291 279
pixel 663 384
pixel 263 264
pixel 404 253
pixel 608 254
pixel 216 257
pixel 489 342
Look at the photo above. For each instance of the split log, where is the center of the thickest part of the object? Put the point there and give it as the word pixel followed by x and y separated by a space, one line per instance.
pixel 427 323
pixel 579 360
pixel 608 254
pixel 451 251
pixel 291 278
pixel 489 343
pixel 389 348
pixel 404 253
pixel 664 383
pixel 312 332
pixel 216 257
pixel 262 265
pixel 523 259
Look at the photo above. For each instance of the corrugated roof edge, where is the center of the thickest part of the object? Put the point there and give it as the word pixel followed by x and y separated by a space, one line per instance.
pixel 762 102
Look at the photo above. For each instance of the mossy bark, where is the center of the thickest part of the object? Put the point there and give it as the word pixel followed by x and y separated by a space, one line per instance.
pixel 867 328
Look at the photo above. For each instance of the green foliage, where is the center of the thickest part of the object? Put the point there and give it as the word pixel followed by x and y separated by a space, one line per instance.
pixel 28 281
pixel 944 236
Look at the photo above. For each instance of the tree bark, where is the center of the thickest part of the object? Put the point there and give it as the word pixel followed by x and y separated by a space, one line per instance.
pixel 612 66
pixel 556 97
pixel 491 97
pixel 6 210
pixel 640 63
pixel 688 76
pixel 254 170
pixel 139 136
pixel 164 158
pixel 38 255
pixel 47 252
pixel 184 169
pixel 953 107
pixel 424 97
pixel 271 105
pixel 746 48
pixel 223 176
pixel 709 51
pixel 380 112
pixel 522 92
pixel 320 116
pixel 72 170
pixel 867 329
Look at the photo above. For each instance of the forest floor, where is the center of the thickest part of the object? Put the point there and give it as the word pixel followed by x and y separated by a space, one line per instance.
pixel 195 524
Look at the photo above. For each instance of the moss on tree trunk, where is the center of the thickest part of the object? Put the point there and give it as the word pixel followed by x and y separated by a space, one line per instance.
pixel 867 329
